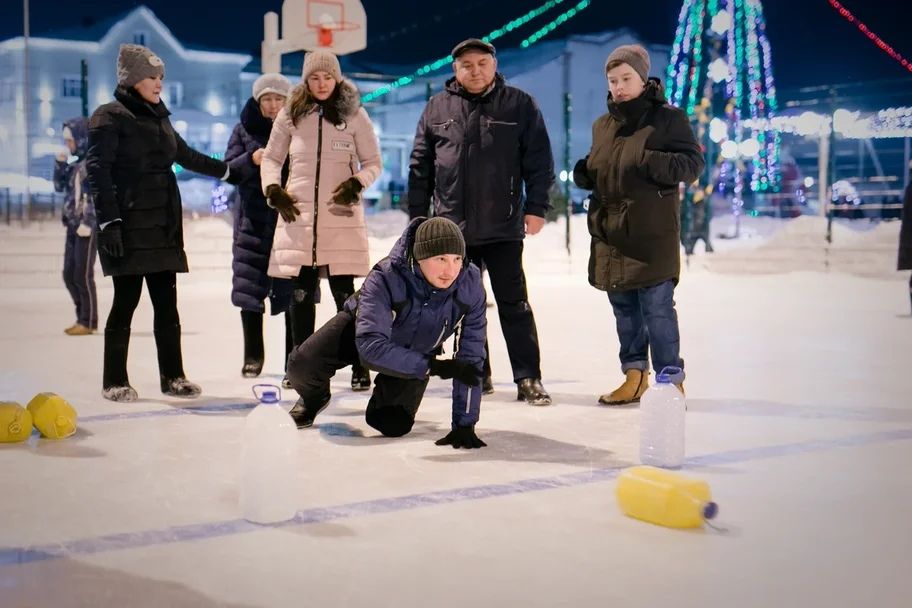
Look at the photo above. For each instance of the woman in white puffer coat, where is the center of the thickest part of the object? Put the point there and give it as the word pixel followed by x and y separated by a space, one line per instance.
pixel 334 157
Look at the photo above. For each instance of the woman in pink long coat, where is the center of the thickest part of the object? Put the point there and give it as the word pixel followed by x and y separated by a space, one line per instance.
pixel 334 157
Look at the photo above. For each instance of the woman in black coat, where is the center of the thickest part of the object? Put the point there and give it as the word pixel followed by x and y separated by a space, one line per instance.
pixel 255 221
pixel 904 259
pixel 132 147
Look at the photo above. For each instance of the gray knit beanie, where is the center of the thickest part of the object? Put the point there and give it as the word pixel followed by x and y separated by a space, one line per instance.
pixel 320 60
pixel 633 55
pixel 438 236
pixel 135 63
pixel 271 83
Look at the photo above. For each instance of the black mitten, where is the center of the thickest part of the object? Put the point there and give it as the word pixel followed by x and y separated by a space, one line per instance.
pixel 279 199
pixel 581 176
pixel 110 241
pixel 234 177
pixel 347 192
pixel 462 437
pixel 455 368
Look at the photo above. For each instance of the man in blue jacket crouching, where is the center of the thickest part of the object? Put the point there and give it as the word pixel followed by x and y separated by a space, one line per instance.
pixel 396 324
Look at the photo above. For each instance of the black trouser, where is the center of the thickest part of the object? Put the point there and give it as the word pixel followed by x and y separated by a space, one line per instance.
pixel 162 287
pixel 394 402
pixel 503 261
pixel 304 303
pixel 79 276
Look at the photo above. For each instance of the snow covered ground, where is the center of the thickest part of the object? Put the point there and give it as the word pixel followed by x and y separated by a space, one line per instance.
pixel 799 418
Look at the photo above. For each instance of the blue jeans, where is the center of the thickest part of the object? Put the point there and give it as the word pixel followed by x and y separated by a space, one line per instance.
pixel 646 318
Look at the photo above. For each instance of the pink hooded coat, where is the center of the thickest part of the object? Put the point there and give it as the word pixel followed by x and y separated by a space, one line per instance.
pixel 324 234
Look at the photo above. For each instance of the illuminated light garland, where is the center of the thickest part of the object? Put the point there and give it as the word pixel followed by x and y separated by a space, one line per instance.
pixel 494 35
pixel 560 20
pixel 886 48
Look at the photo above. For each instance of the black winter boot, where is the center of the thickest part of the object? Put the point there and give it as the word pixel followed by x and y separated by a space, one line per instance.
pixel 115 383
pixel 361 378
pixel 252 323
pixel 304 414
pixel 532 392
pixel 171 363
pixel 289 345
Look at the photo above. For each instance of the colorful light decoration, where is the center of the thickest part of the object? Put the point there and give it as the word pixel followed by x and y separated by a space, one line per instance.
pixel 886 48
pixel 723 43
pixel 494 35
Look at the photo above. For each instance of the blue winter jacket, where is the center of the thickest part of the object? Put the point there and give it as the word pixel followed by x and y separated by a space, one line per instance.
pixel 402 321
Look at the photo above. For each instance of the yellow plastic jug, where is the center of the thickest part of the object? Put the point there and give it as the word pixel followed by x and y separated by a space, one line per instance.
pixel 52 415
pixel 664 498
pixel 15 422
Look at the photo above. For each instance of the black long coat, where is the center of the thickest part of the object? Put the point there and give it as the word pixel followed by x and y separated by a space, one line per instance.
pixel 904 261
pixel 484 161
pixel 132 147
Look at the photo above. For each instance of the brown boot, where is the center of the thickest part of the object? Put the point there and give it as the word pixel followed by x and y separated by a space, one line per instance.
pixel 79 330
pixel 630 391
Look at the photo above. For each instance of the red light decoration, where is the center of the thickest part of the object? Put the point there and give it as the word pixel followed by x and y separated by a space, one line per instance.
pixel 886 48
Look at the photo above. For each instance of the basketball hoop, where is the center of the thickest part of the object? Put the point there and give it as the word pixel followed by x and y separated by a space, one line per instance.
pixel 324 31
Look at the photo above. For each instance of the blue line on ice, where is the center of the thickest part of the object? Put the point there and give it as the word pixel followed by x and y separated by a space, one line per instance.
pixel 204 531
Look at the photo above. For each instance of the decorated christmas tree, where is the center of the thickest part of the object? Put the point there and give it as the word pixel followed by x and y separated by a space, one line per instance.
pixel 721 73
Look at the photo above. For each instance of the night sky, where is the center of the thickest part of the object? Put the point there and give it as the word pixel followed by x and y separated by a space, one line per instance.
pixel 811 43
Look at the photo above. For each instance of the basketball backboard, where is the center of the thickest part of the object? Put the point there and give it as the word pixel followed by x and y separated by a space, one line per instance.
pixel 339 26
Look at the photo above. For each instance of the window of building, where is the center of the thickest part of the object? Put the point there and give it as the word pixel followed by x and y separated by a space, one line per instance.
pixel 140 37
pixel 173 93
pixel 71 86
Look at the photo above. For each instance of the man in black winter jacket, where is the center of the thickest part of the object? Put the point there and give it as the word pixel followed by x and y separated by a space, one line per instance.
pixel 483 158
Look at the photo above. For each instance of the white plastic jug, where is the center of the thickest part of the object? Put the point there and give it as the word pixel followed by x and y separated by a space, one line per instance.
pixel 662 410
pixel 268 460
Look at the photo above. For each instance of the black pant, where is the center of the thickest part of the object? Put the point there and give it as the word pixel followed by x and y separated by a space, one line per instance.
pixel 162 287
pixel 394 402
pixel 503 261
pixel 79 276
pixel 304 300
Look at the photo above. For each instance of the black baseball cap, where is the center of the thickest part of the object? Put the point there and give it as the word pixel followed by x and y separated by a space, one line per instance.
pixel 472 44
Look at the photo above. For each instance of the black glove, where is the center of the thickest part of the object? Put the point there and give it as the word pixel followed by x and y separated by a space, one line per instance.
pixel 110 241
pixel 279 199
pixel 234 177
pixel 347 192
pixel 581 176
pixel 462 437
pixel 454 368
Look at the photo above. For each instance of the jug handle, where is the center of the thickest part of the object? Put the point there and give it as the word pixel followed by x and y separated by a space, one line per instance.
pixel 259 396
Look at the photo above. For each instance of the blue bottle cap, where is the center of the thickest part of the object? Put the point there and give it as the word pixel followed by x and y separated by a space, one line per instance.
pixel 669 371
pixel 710 510
pixel 269 393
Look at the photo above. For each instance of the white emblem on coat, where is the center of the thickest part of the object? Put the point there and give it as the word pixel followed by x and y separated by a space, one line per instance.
pixel 341 145
pixel 341 126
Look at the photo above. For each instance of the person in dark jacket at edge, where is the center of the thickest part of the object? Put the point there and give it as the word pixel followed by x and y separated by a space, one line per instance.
pixel 79 218
pixel 641 150
pixel 904 258
pixel 483 158
pixel 410 303
pixel 132 147
pixel 255 222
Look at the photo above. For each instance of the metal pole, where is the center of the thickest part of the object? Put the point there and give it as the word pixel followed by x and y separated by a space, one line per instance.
pixel 906 167
pixel 26 99
pixel 567 128
pixel 84 84
pixel 270 57
pixel 823 167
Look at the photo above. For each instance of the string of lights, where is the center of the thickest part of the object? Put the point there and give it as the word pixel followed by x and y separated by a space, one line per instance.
pixel 495 34
pixel 886 48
